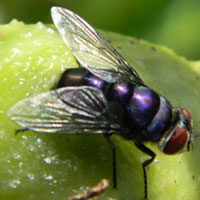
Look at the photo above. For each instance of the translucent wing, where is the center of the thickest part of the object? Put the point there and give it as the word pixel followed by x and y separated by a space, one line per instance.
pixel 70 110
pixel 90 49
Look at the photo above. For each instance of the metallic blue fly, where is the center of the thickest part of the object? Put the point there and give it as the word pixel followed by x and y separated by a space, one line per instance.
pixel 105 95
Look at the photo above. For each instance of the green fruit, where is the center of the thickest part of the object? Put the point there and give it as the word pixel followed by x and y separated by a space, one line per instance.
pixel 44 166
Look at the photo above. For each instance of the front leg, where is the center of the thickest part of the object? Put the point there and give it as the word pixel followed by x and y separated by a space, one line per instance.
pixel 146 150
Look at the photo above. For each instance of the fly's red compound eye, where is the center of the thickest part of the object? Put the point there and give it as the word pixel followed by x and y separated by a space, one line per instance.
pixel 176 142
pixel 186 113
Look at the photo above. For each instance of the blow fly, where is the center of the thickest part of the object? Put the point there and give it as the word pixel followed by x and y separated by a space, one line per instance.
pixel 105 95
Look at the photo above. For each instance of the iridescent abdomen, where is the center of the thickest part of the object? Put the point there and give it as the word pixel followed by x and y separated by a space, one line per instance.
pixel 147 114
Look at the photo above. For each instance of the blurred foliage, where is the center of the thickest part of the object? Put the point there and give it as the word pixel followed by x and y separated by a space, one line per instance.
pixel 174 23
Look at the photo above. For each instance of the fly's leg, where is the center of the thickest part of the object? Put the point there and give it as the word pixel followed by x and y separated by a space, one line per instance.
pixel 146 150
pixel 113 161
pixel 20 130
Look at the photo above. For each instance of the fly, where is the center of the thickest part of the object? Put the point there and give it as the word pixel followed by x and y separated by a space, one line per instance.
pixel 105 95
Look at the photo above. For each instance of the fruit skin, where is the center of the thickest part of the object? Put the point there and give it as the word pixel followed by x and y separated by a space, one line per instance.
pixel 36 166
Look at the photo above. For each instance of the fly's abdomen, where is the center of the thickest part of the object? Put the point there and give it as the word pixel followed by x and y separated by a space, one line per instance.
pixel 146 113
pixel 71 77
pixel 81 76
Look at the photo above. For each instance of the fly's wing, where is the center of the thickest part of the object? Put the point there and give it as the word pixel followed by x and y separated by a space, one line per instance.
pixel 90 49
pixel 70 110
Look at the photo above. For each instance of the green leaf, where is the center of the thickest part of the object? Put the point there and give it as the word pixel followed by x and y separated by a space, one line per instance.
pixel 45 166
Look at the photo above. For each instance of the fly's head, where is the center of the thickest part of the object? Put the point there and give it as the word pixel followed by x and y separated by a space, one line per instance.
pixel 178 138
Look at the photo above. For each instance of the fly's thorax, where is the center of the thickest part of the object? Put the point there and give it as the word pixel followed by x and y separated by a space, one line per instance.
pixel 160 122
pixel 122 92
pixel 148 114
pixel 178 137
pixel 142 106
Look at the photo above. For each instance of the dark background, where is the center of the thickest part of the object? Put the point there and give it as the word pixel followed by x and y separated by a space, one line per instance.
pixel 173 23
